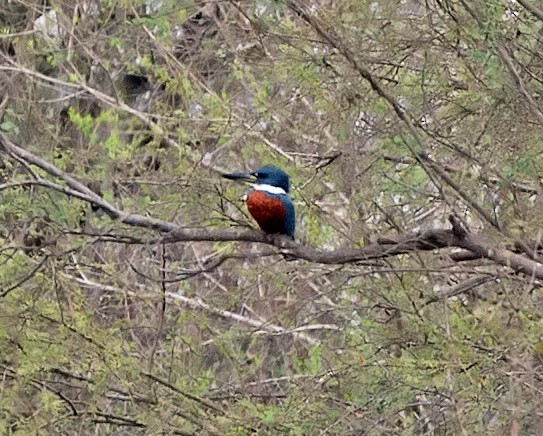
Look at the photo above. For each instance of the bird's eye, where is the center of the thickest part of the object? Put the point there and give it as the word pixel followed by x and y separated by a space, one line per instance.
pixel 256 174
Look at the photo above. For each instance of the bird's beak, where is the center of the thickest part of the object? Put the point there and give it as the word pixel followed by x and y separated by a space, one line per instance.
pixel 249 177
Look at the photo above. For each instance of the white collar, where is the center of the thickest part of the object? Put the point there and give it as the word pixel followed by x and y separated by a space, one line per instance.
pixel 269 188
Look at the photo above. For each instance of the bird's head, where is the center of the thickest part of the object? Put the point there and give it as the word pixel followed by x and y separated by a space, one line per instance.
pixel 267 175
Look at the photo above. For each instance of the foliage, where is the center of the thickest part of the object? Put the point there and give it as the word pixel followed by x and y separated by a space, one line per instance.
pixel 104 330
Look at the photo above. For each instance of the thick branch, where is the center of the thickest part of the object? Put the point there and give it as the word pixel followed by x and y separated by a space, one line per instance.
pixel 503 257
pixel 384 247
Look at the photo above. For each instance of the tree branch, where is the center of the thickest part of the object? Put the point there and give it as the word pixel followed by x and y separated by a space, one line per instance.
pixel 532 8
pixel 384 247
pixel 84 193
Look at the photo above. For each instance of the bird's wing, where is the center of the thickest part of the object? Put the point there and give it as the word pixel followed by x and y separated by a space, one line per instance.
pixel 290 215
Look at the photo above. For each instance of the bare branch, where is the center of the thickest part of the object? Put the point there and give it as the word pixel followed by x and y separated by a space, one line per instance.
pixel 82 192
pixel 202 401
pixel 32 273
pixel 199 304
pixel 532 8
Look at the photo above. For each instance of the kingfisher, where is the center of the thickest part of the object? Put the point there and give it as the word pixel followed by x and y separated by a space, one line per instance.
pixel 268 200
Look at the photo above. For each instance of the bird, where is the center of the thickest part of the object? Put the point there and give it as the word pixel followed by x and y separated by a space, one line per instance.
pixel 268 199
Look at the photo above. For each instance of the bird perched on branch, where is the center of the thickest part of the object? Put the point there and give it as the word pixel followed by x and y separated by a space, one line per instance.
pixel 268 200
